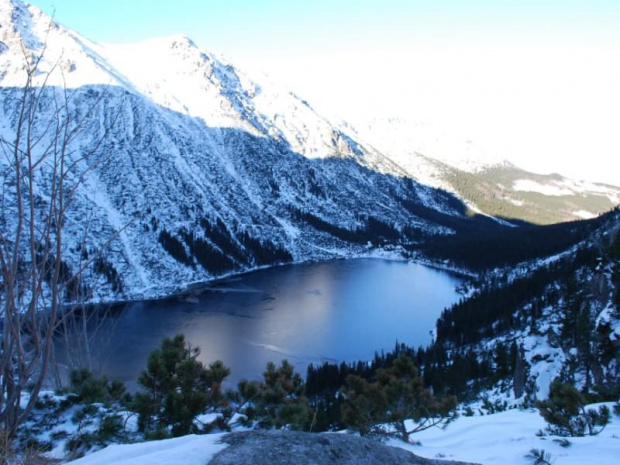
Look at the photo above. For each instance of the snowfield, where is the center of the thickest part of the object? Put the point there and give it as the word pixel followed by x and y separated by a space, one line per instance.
pixel 186 450
pixel 566 186
pixel 506 438
pixel 499 439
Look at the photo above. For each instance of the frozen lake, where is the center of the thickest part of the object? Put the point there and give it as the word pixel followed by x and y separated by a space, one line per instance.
pixel 342 310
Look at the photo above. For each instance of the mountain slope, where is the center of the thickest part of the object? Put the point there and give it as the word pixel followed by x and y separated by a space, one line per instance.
pixel 557 318
pixel 187 169
pixel 482 178
pixel 190 167
pixel 515 331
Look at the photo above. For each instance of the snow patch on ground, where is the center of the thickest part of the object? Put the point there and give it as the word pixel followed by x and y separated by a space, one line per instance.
pixel 500 439
pixel 553 190
pixel 545 361
pixel 290 230
pixel 505 438
pixel 565 186
pixel 186 450
pixel 586 215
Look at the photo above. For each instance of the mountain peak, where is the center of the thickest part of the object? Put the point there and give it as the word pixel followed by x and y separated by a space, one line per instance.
pixel 181 40
pixel 171 42
pixel 17 21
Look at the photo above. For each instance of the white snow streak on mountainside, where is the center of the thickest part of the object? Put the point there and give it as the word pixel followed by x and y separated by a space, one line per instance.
pixel 184 137
pixel 567 187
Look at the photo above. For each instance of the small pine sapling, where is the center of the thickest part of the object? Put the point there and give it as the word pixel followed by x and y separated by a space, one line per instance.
pixel 539 457
pixel 566 413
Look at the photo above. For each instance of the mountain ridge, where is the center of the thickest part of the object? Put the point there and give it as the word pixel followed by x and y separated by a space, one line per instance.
pixel 189 190
pixel 481 178
pixel 195 170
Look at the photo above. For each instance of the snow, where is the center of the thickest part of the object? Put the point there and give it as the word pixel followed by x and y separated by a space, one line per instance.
pixel 528 185
pixel 545 363
pixel 186 136
pixel 99 197
pixel 586 215
pixel 289 229
pixel 503 438
pixel 563 187
pixel 186 450
pixel 192 137
pixel 409 141
pixel 170 72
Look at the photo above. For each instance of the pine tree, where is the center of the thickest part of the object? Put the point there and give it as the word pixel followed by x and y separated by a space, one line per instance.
pixel 566 412
pixel 178 388
pixel 397 395
pixel 278 401
pixel 365 404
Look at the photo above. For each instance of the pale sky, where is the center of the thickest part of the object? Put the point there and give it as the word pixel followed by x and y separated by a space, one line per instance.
pixel 537 80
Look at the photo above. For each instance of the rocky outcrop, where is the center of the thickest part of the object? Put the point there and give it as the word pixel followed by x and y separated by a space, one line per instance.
pixel 288 447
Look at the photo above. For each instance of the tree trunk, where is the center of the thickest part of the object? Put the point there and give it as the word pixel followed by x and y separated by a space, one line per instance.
pixel 519 374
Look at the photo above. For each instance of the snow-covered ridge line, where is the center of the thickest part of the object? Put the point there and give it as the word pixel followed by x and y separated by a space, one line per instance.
pixel 204 170
pixel 481 177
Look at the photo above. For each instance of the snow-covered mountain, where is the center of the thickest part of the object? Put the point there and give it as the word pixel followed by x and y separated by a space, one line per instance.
pixel 412 143
pixel 555 318
pixel 194 169
pixel 190 169
pixel 481 177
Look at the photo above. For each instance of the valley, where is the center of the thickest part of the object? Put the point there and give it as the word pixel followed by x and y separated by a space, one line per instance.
pixel 238 260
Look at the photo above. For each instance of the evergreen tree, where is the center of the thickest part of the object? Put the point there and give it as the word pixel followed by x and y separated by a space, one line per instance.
pixel 282 401
pixel 615 248
pixel 365 404
pixel 178 387
pixel 566 412
pixel 397 395
pixel 278 401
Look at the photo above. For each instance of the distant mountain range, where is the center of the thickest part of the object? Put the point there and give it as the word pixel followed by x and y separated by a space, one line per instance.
pixel 482 178
pixel 197 170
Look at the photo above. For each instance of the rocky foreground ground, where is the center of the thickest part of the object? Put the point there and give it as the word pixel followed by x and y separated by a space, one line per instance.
pixel 280 448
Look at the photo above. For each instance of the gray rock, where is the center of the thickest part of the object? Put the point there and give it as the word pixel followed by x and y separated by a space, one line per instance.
pixel 291 447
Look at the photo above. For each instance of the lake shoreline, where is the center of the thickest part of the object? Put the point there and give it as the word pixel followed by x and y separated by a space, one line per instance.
pixel 195 288
pixel 329 310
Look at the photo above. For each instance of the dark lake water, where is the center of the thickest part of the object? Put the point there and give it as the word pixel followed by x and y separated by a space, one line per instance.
pixel 341 310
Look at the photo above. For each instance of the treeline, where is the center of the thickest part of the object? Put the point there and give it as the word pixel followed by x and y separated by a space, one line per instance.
pixel 457 364
pixel 460 373
pixel 499 247
pixel 493 309
pixel 176 388
pixel 218 250
pixel 371 229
